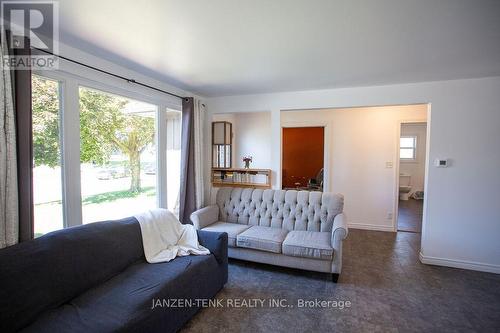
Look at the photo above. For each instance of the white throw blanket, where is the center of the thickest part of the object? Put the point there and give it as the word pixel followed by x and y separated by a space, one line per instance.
pixel 164 237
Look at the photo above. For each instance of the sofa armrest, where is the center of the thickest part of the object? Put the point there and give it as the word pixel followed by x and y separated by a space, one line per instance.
pixel 339 229
pixel 205 216
pixel 216 243
pixel 339 233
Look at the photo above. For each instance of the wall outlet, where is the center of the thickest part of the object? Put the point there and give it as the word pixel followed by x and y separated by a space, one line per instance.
pixel 389 216
pixel 388 165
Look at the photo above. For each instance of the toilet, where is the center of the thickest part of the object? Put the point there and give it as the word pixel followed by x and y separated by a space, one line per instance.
pixel 404 186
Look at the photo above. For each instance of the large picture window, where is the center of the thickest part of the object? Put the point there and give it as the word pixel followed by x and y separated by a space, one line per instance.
pixel 117 154
pixel 101 152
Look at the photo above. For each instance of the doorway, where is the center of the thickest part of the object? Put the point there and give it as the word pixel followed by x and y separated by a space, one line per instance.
pixel 303 158
pixel 412 159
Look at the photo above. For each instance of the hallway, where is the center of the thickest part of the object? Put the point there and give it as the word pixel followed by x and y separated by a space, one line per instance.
pixel 410 215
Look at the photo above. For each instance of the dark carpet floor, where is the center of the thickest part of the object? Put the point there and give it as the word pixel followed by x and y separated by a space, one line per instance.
pixel 410 214
pixel 390 291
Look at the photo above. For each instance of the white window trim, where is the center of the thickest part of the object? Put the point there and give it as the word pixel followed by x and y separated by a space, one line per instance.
pixel 70 132
pixel 415 151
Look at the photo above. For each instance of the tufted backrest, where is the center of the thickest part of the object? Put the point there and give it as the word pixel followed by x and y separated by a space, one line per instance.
pixel 290 210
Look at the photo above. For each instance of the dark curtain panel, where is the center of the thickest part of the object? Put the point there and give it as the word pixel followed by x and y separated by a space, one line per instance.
pixel 187 200
pixel 22 100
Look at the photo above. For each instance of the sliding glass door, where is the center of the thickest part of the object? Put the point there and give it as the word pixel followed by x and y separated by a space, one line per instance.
pixel 47 180
pixel 117 154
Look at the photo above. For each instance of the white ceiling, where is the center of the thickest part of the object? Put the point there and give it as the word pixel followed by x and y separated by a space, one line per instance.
pixel 229 47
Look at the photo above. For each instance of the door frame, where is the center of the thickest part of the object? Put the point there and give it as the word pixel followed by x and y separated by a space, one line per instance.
pixel 326 146
pixel 395 219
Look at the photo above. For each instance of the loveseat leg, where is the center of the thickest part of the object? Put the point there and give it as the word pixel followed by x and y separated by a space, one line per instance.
pixel 335 277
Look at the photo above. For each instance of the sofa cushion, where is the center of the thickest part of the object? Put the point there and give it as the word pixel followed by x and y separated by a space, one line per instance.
pixel 308 244
pixel 262 238
pixel 124 303
pixel 232 229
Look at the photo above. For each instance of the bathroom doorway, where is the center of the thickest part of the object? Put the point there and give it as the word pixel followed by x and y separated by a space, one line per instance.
pixel 412 159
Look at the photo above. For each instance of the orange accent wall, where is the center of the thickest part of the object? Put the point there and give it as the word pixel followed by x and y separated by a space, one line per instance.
pixel 303 154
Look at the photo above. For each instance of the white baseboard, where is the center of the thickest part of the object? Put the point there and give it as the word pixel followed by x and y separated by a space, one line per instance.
pixel 475 266
pixel 374 227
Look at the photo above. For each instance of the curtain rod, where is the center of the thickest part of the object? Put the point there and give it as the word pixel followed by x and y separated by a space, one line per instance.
pixel 108 73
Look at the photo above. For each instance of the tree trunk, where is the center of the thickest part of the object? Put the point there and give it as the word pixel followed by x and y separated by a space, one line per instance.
pixel 135 171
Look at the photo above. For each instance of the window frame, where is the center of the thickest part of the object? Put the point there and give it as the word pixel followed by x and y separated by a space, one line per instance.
pixel 71 77
pixel 414 148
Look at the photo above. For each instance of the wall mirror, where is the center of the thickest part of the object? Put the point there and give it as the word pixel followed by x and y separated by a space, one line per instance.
pixel 222 144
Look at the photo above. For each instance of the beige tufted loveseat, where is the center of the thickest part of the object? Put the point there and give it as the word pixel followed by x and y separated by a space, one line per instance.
pixel 298 229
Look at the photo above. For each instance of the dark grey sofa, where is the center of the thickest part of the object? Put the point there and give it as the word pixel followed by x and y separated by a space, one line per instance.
pixel 94 278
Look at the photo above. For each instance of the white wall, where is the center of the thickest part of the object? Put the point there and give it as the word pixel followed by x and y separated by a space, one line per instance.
pixel 119 84
pixel 251 137
pixel 253 133
pixel 416 168
pixel 359 143
pixel 461 212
